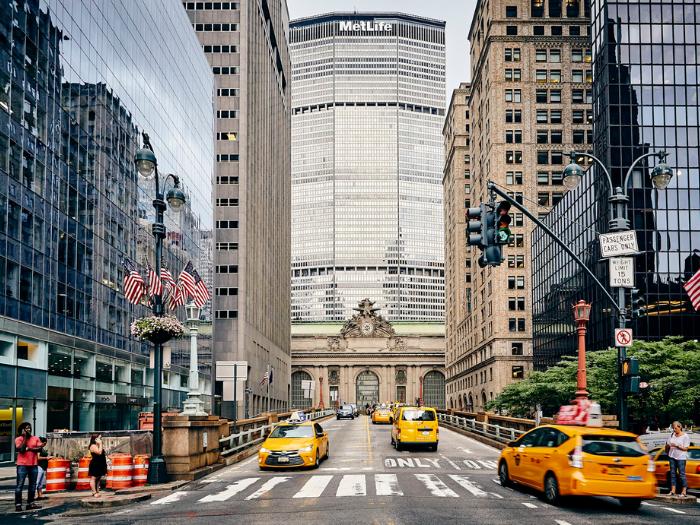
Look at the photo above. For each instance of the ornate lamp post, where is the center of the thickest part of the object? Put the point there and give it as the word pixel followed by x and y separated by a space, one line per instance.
pixel 147 166
pixel 193 405
pixel 582 313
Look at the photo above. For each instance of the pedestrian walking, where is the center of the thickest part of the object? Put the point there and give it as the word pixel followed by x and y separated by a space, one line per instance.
pixel 677 445
pixel 43 464
pixel 27 448
pixel 98 464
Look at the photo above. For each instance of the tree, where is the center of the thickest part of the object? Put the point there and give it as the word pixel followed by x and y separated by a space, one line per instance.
pixel 670 366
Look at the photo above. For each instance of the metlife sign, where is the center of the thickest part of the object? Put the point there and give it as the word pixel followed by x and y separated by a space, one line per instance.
pixel 364 25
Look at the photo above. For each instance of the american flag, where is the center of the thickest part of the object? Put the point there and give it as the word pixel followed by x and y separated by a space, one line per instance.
pixel 155 285
pixel 167 277
pixel 265 378
pixel 186 280
pixel 201 294
pixel 692 287
pixel 177 297
pixel 134 285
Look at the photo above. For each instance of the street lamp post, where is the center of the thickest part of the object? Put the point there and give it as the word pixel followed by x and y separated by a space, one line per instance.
pixel 661 176
pixel 582 313
pixel 147 166
pixel 193 405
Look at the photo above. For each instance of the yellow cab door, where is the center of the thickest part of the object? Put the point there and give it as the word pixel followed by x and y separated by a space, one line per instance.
pixel 521 469
pixel 545 454
pixel 321 440
pixel 611 457
pixel 662 467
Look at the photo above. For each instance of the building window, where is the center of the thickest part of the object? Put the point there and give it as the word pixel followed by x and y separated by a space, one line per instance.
pixel 543 198
pixel 518 217
pixel 543 178
pixel 577 55
pixel 556 136
pixel 578 136
pixel 518 372
pixel 516 282
pixel 542 116
pixel 575 30
pixel 227 202
pixel 541 96
pixel 513 75
pixel 227 268
pixel 542 136
pixel 231 136
pixel 226 246
pixel 513 95
pixel 538 30
pixel 557 157
pixel 226 291
pixel 516 349
pixel 577 76
pixel 555 96
pixel 555 116
pixel 511 30
pixel 555 75
pixel 226 113
pixel 578 116
pixel 511 11
pixel 513 116
pixel 514 178
pixel 543 157
pixel 541 75
pixel 224 70
pixel 556 197
pixel 540 55
pixel 226 314
pixel 556 31
pixel 215 28
pixel 555 55
pixel 514 157
pixel 512 54
pixel 226 224
pixel 226 179
pixel 537 8
pixel 467 188
pixel 514 136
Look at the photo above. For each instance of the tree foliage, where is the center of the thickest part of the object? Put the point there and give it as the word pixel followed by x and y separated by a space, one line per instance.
pixel 670 366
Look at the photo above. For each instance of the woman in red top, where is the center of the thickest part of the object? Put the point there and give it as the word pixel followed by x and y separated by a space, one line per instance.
pixel 27 448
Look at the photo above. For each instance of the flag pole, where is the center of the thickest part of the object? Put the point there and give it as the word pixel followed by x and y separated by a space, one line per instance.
pixel 268 388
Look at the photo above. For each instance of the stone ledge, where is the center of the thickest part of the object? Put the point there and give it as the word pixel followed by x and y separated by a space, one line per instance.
pixel 113 501
pixel 667 498
pixel 172 485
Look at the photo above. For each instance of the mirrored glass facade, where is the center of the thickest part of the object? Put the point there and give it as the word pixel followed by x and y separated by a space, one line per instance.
pixel 368 106
pixel 79 82
pixel 645 99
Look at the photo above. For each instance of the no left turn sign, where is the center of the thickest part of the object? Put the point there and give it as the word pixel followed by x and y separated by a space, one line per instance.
pixel 623 337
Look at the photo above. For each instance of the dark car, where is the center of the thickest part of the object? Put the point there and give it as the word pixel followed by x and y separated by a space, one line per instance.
pixel 345 411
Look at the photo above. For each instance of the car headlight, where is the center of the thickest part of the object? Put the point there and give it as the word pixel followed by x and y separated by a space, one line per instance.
pixel 307 449
pixel 264 450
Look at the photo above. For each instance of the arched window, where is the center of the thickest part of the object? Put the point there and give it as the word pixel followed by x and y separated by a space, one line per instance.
pixel 470 403
pixel 367 388
pixel 434 389
pixel 302 392
pixel 483 400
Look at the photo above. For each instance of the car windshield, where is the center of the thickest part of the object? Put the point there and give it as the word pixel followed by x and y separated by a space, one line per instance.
pixel 346 407
pixel 612 446
pixel 292 431
pixel 694 453
pixel 418 415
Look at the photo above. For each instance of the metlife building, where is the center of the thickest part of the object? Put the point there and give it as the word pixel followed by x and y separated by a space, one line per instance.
pixel 368 94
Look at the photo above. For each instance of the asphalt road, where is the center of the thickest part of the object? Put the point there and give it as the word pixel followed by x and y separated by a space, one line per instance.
pixel 366 481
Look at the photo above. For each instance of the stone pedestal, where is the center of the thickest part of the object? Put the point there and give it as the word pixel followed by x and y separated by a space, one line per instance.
pixel 191 443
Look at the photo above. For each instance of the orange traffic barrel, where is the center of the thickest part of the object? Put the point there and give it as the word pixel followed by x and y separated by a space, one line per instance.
pixel 57 474
pixel 140 470
pixel 83 475
pixel 122 471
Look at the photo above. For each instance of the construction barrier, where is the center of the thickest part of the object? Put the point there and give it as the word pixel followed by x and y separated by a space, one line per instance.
pixel 57 474
pixel 140 477
pixel 83 474
pixel 122 471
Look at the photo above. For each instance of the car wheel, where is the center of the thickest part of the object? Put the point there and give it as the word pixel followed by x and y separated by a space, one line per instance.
pixel 337 418
pixel 352 417
pixel 328 452
pixel 503 476
pixel 433 448
pixel 630 503
pixel 318 461
pixel 551 489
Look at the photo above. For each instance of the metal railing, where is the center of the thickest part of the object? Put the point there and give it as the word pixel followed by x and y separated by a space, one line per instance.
pixel 257 432
pixel 488 430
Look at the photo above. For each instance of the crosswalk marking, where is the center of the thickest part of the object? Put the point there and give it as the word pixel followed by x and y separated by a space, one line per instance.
pixel 231 490
pixel 529 505
pixel 267 486
pixel 170 498
pixel 464 482
pixel 562 522
pixel 387 485
pixel 314 487
pixel 436 486
pixel 673 510
pixel 352 485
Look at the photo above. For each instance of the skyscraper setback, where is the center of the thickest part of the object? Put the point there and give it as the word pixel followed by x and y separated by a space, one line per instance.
pixel 368 105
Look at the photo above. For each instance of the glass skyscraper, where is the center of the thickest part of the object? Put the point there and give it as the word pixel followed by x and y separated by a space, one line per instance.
pixel 646 88
pixel 368 94
pixel 79 82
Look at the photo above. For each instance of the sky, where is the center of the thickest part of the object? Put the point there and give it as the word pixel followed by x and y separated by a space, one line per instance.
pixel 457 14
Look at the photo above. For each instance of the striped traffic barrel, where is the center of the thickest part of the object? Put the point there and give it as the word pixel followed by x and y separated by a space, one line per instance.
pixel 140 470
pixel 57 474
pixel 83 474
pixel 122 471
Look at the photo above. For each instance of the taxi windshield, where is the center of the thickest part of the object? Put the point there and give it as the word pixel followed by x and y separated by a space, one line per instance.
pixel 626 446
pixel 418 415
pixel 292 431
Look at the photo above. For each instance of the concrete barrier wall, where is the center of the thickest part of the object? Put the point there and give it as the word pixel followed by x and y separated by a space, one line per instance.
pixel 74 445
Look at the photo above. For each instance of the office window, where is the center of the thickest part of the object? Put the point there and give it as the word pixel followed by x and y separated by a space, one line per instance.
pixel 556 31
pixel 575 30
pixel 511 11
pixel 516 349
pixel 514 178
pixel 514 157
pixel 513 95
pixel 514 136
pixel 557 178
pixel 513 75
pixel 543 198
pixel 589 96
pixel 541 55
pixel 556 136
pixel 555 75
pixel 537 8
pixel 557 157
pixel 226 246
pixel 541 116
pixel 226 314
pixel 555 116
pixel 512 54
pixel 226 202
pixel 518 372
pixel 226 179
pixel 587 56
pixel 542 136
pixel 577 75
pixel 226 291
pixel 555 55
pixel 227 268
pixel 577 55
pixel 467 188
pixel 543 157
pixel 541 96
pixel 541 75
pixel 556 197
pixel 555 96
pixel 521 324
pixel 543 177
pixel 518 217
pixel 511 30
pixel 513 116
pixel 538 30
pixel 578 136
pixel 227 224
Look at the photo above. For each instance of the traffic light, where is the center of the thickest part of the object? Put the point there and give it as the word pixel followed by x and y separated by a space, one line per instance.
pixel 630 375
pixel 482 233
pixel 637 304
pixel 503 223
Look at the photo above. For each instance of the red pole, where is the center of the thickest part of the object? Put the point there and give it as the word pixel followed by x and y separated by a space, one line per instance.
pixel 581 392
pixel 420 391
pixel 320 404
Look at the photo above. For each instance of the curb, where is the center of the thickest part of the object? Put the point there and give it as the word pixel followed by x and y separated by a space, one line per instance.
pixel 665 498
pixel 115 501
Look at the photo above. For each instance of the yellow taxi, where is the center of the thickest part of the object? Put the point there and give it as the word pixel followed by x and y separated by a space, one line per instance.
pixel 294 444
pixel 568 460
pixel 415 426
pixel 381 414
pixel 692 468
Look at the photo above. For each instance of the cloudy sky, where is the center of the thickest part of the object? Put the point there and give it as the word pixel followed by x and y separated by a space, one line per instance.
pixel 457 14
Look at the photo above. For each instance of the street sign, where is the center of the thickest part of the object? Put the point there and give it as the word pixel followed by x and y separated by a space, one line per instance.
pixel 622 272
pixel 618 243
pixel 623 337
pixel 224 370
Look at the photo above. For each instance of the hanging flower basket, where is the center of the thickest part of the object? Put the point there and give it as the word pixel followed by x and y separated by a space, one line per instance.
pixel 157 330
